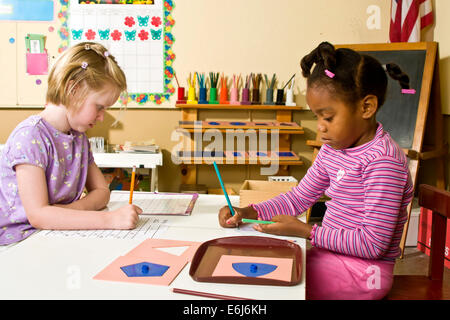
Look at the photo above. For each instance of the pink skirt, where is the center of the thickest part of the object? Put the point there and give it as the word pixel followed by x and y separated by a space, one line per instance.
pixel 333 276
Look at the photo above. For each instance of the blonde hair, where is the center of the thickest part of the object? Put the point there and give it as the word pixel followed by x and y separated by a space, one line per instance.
pixel 84 67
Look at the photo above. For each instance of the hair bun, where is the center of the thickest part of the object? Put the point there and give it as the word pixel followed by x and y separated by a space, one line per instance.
pixel 327 54
pixel 324 55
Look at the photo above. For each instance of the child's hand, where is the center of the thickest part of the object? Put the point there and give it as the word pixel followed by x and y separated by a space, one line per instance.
pixel 125 217
pixel 228 221
pixel 285 226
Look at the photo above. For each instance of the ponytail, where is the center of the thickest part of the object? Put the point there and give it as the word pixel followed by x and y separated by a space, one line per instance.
pixel 396 73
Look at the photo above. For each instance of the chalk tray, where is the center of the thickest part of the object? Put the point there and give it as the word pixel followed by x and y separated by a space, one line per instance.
pixel 209 253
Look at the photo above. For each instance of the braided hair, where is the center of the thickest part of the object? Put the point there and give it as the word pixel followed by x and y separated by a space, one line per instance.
pixel 355 75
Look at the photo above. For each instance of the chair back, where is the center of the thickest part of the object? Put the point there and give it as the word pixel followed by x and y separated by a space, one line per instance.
pixel 438 201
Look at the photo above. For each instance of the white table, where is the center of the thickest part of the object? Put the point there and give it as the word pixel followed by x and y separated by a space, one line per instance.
pixel 43 267
pixel 149 161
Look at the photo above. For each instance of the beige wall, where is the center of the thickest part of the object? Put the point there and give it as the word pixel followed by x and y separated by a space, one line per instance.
pixel 237 36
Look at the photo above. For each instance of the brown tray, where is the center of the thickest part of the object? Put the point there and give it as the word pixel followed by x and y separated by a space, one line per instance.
pixel 208 255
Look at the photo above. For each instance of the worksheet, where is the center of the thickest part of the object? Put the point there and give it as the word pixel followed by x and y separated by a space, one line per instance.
pixel 147 227
pixel 155 203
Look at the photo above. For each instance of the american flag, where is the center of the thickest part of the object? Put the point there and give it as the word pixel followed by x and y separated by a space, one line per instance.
pixel 408 17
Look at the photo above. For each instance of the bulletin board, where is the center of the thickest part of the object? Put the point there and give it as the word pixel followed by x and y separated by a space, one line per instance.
pixel 137 33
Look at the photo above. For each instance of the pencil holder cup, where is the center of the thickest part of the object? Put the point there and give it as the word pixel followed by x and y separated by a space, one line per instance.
pixel 290 98
pixel 191 96
pixel 223 99
pixel 180 96
pixel 213 96
pixel 245 96
pixel 269 96
pixel 255 96
pixel 202 96
pixel 234 96
pixel 280 96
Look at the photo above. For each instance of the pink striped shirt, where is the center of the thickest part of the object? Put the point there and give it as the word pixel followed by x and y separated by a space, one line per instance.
pixel 370 188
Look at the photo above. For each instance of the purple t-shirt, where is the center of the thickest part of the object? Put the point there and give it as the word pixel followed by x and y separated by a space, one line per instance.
pixel 63 157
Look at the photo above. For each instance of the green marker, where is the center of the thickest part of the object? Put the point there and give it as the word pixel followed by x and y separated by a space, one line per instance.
pixel 257 221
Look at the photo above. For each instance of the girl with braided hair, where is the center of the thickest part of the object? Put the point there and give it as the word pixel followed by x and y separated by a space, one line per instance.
pixel 359 167
pixel 47 161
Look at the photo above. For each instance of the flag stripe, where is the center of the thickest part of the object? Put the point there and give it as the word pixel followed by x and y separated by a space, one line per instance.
pixel 408 17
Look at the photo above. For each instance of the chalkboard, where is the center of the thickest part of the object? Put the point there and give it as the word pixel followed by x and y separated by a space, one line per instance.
pixel 399 112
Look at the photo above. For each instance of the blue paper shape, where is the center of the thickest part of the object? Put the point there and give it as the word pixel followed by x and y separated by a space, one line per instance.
pixel 144 269
pixel 250 269
pixel 261 154
pixel 238 123
pixel 285 154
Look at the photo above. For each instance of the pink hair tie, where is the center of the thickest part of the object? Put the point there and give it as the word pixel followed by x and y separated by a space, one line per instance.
pixel 84 65
pixel 329 73
pixel 106 54
pixel 409 91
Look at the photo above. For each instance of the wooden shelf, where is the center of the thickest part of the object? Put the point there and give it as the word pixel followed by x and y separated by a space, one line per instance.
pixel 223 126
pixel 286 157
pixel 236 161
pixel 190 123
pixel 224 130
pixel 238 107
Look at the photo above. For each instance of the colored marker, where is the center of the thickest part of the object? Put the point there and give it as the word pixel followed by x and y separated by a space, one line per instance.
pixel 257 221
pixel 223 188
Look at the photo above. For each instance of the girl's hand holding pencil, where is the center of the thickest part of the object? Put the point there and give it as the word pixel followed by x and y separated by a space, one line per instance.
pixel 227 220
pixel 279 225
pixel 124 218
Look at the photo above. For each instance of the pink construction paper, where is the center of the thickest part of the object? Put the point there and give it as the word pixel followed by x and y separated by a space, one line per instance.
pixel 37 63
pixel 283 271
pixel 147 252
pixel 150 244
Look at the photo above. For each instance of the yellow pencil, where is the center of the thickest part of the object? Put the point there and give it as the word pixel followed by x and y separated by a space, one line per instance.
pixel 133 174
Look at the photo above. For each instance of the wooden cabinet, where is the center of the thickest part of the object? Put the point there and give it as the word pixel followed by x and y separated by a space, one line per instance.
pixel 280 128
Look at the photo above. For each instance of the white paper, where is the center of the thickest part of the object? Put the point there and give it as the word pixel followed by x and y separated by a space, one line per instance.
pixel 152 203
pixel 147 227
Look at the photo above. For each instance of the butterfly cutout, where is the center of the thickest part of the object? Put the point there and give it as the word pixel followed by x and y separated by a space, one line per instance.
pixel 76 34
pixel 156 34
pixel 104 34
pixel 130 35
pixel 143 21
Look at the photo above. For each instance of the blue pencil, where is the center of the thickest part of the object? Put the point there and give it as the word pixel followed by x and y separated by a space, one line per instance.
pixel 223 188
